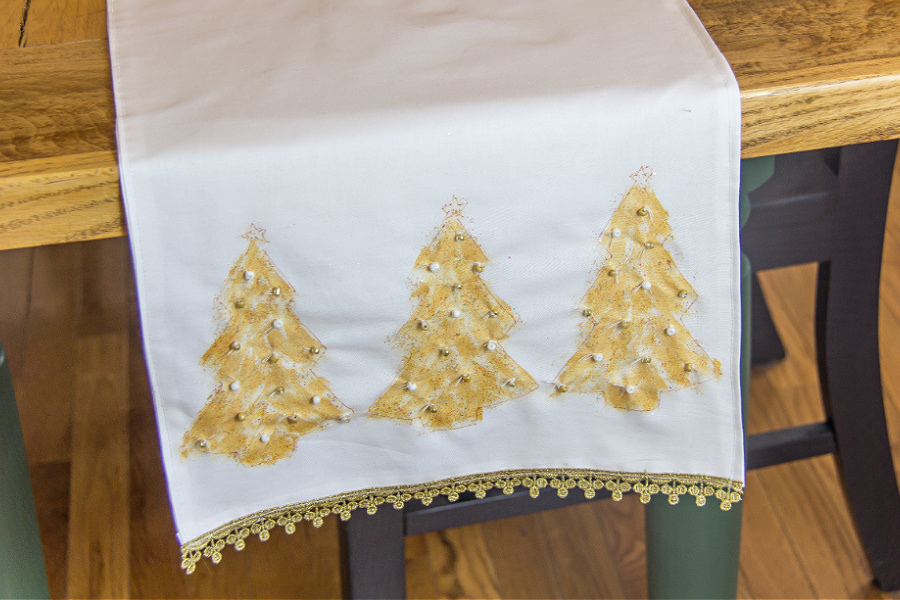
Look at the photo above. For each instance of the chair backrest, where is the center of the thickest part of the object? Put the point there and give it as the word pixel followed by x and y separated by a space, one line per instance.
pixel 22 571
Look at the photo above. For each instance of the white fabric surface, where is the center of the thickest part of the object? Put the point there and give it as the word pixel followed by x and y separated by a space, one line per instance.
pixel 342 128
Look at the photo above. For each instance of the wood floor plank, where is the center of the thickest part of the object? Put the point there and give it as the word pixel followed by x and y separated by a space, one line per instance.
pixel 817 523
pixel 622 524
pixel 461 564
pixel 99 527
pixel 50 482
pixel 520 555
pixel 16 267
pixel 420 583
pixel 769 564
pixel 45 380
pixel 582 562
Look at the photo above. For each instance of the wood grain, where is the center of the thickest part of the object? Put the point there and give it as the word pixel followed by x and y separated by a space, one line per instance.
pixel 10 22
pixel 59 199
pixel 812 74
pixel 62 21
pixel 99 538
pixel 55 100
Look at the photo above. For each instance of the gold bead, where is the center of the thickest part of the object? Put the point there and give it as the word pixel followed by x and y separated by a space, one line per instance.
pixel 649 245
pixel 293 419
pixel 646 360
pixel 459 237
pixel 455 287
pixel 562 388
pixel 240 417
pixel 239 303
pixel 272 359
pixel 276 291
pixel 235 345
pixel 432 409
pixel 624 324
pixel 445 351
pixel 613 272
pixel 478 268
pixel 643 212
pixel 587 312
pixel 201 444
pixel 279 390
pixel 511 383
pixel 315 350
pixel 689 368
pixel 466 377
pixel 682 293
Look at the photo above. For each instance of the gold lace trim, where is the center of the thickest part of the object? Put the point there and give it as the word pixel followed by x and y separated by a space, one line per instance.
pixel 260 523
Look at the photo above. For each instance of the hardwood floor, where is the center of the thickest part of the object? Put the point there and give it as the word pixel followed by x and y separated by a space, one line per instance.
pixel 68 317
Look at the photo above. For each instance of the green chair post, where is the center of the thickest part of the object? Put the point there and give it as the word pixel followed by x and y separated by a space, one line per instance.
pixel 693 552
pixel 22 571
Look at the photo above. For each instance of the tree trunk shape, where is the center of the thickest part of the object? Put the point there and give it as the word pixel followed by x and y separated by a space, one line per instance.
pixel 453 365
pixel 634 343
pixel 267 395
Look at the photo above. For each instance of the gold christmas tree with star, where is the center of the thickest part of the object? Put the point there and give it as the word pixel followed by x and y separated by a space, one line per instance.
pixel 267 395
pixel 634 343
pixel 453 364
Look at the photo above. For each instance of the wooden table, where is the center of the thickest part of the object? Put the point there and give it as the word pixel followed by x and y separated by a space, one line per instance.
pixel 812 75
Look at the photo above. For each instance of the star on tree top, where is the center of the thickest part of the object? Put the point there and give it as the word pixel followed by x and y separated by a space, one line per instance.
pixel 455 206
pixel 642 176
pixel 256 233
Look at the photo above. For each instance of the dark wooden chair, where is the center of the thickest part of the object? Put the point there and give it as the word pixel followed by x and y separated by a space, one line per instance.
pixel 829 207
pixel 825 206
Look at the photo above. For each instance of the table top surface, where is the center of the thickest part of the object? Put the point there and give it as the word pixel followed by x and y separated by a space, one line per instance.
pixel 812 75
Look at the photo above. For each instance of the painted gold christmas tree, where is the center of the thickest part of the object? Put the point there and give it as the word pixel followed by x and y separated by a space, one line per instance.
pixel 634 342
pixel 453 365
pixel 267 395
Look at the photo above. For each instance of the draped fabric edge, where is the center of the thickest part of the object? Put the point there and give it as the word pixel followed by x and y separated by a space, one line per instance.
pixel 589 481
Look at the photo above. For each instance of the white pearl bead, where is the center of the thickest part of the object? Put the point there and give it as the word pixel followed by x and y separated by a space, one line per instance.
pixel 264 438
pixel 597 357
pixel 234 386
pixel 491 345
pixel 411 386
pixel 345 419
pixel 248 275
pixel 434 267
pixel 315 400
pixel 646 285
pixel 277 323
pixel 671 330
pixel 616 232
pixel 630 389
pixel 455 313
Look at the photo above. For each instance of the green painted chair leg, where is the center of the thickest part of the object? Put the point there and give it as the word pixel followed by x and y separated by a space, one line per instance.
pixel 693 552
pixel 22 572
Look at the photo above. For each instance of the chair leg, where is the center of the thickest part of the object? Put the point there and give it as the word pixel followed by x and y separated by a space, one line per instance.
pixel 693 552
pixel 848 355
pixel 22 572
pixel 373 555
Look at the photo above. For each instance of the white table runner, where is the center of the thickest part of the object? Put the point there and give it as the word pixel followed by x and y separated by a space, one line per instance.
pixel 391 250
